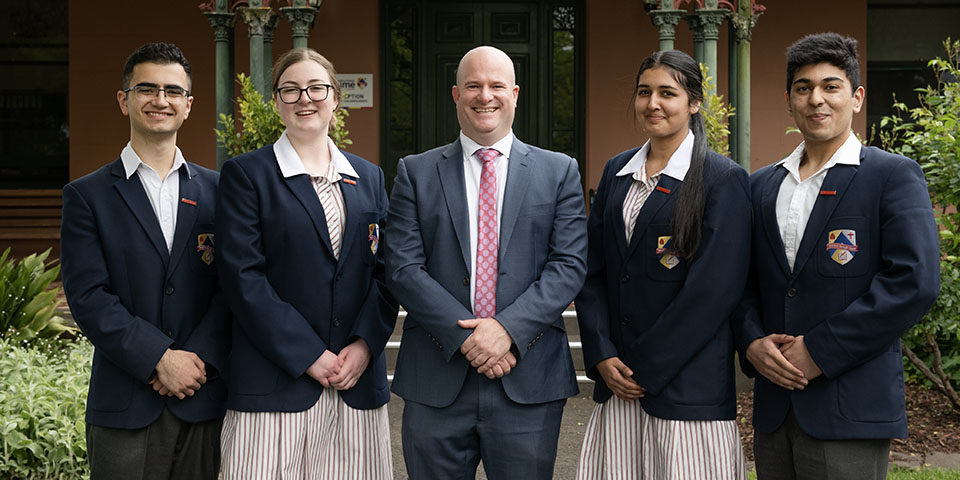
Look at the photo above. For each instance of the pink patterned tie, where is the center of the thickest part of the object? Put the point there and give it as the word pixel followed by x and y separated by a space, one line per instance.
pixel 485 294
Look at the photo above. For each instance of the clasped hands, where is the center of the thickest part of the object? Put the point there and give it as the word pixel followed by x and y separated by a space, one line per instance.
pixel 784 360
pixel 179 373
pixel 341 371
pixel 488 347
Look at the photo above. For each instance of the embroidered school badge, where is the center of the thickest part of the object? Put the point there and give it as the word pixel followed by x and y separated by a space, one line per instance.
pixel 374 237
pixel 842 245
pixel 666 259
pixel 205 247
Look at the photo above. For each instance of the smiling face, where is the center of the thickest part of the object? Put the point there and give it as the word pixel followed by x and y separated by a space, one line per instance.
pixel 306 118
pixel 662 105
pixel 155 116
pixel 822 103
pixel 486 95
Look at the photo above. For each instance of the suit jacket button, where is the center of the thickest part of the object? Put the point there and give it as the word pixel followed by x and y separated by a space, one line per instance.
pixel 168 332
pixel 624 321
pixel 466 281
pixel 625 278
pixel 336 322
pixel 169 290
pixel 792 292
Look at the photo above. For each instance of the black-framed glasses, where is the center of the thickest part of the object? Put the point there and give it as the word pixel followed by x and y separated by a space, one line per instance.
pixel 150 90
pixel 317 93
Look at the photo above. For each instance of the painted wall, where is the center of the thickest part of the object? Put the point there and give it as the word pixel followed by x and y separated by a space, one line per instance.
pixel 620 35
pixel 102 37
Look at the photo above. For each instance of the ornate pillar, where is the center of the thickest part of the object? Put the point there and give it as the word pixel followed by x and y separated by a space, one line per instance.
pixel 696 28
pixel 268 30
pixel 710 21
pixel 300 17
pixel 666 21
pixel 743 21
pixel 222 23
pixel 259 20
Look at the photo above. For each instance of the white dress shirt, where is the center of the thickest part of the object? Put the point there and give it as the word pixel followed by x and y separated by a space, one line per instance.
pixel 291 164
pixel 676 167
pixel 472 168
pixel 163 193
pixel 796 198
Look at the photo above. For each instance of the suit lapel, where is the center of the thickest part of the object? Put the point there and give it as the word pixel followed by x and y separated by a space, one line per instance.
pixel 518 177
pixel 454 190
pixel 768 215
pixel 657 199
pixel 133 194
pixel 302 188
pixel 351 206
pixel 837 180
pixel 620 186
pixel 186 217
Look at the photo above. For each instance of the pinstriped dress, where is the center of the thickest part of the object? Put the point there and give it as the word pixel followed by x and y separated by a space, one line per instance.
pixel 622 441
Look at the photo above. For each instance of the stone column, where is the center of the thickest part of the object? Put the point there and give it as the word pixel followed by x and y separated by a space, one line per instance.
pixel 743 21
pixel 258 19
pixel 300 17
pixel 666 22
pixel 696 28
pixel 710 21
pixel 223 23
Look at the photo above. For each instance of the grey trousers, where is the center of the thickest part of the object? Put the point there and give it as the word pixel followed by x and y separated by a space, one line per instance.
pixel 789 453
pixel 166 449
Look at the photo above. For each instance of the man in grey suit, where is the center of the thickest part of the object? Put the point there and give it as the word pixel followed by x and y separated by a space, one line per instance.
pixel 486 246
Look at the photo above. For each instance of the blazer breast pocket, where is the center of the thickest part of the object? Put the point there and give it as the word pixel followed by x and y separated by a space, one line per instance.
pixel 655 250
pixel 368 237
pixel 843 248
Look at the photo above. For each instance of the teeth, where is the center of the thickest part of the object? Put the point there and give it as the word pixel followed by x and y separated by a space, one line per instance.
pixel 484 110
pixel 304 114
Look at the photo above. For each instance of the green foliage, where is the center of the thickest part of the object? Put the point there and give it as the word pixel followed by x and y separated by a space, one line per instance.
pixel 928 134
pixel 260 122
pixel 43 394
pixel 716 116
pixel 27 309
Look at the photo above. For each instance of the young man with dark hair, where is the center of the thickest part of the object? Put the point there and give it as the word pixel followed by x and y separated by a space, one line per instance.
pixel 845 260
pixel 139 271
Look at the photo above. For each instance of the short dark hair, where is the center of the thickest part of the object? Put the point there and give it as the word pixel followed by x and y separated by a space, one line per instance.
pixel 157 52
pixel 833 48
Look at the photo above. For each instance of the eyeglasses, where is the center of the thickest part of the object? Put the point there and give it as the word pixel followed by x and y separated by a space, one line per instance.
pixel 148 90
pixel 316 93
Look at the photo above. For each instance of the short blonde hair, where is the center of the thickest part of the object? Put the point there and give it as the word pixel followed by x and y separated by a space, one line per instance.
pixel 298 55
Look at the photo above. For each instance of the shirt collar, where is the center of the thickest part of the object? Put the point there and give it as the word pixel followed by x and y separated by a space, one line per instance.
pixel 676 167
pixel 291 164
pixel 470 147
pixel 131 161
pixel 847 154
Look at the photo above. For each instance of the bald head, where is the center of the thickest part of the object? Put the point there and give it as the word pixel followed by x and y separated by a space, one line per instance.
pixel 484 58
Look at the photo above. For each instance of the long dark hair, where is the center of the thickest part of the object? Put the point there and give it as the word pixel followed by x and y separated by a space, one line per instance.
pixel 689 200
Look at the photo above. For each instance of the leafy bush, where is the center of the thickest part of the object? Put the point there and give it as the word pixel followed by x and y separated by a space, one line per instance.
pixel 43 395
pixel 27 308
pixel 716 116
pixel 260 122
pixel 928 134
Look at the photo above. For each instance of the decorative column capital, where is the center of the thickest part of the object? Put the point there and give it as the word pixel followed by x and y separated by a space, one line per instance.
pixel 743 25
pixel 710 21
pixel 696 26
pixel 300 19
pixel 270 26
pixel 260 20
pixel 222 24
pixel 666 22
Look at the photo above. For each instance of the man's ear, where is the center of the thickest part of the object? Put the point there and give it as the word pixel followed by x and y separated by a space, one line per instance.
pixel 456 94
pixel 122 100
pixel 858 95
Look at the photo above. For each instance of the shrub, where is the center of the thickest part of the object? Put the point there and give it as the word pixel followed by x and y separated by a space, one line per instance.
pixel 260 122
pixel 27 309
pixel 42 403
pixel 716 116
pixel 928 134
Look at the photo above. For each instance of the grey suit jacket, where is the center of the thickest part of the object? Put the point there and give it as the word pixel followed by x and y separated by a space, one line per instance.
pixel 542 252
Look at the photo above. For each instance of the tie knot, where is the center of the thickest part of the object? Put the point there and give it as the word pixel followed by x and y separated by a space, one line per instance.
pixel 487 155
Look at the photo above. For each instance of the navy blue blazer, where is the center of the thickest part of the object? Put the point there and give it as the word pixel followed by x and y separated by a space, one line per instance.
pixel 134 300
pixel 671 326
pixel 291 298
pixel 542 253
pixel 852 314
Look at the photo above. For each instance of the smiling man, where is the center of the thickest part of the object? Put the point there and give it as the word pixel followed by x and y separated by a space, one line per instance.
pixel 486 245
pixel 138 264
pixel 845 260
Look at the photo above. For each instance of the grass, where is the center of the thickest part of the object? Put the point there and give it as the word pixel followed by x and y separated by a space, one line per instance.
pixel 903 473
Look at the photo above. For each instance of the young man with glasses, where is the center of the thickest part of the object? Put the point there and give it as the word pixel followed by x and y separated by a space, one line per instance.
pixel 137 257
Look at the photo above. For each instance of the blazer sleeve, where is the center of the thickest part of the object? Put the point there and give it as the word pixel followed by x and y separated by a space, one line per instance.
pixel 593 311
pixel 130 342
pixel 561 278
pixel 280 332
pixel 711 291
pixel 379 306
pixel 436 310
pixel 900 293
pixel 210 340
